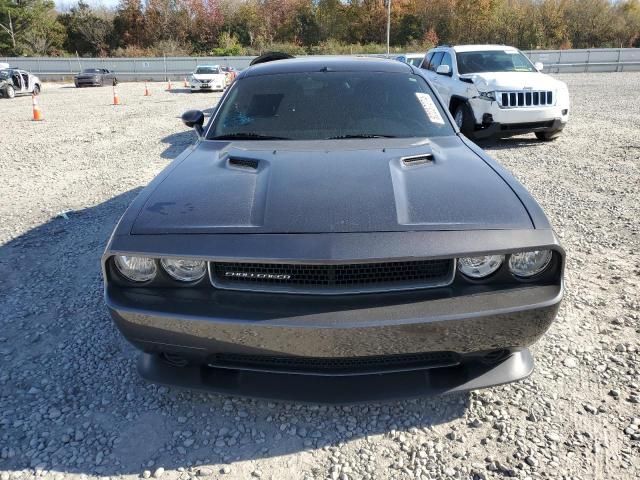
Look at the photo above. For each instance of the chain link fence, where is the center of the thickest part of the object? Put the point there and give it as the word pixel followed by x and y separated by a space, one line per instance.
pixel 176 68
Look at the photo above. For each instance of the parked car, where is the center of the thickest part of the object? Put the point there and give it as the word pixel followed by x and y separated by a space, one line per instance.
pixel 494 90
pixel 414 59
pixel 332 237
pixel 14 81
pixel 95 77
pixel 208 77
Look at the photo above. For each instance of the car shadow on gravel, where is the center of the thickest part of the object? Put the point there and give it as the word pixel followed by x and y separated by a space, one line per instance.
pixel 71 400
pixel 177 142
pixel 508 143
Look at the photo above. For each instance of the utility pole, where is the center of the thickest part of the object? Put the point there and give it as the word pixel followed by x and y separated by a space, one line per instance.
pixel 388 2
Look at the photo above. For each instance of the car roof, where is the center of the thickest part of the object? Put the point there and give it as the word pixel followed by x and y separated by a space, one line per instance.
pixel 208 66
pixel 481 48
pixel 328 63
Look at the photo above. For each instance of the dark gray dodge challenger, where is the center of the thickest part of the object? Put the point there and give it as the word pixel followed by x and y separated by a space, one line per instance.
pixel 332 237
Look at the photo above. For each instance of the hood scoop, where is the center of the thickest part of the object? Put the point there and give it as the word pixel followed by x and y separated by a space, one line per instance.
pixel 244 163
pixel 416 160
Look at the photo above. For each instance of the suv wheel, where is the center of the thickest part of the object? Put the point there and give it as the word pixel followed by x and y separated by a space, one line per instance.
pixel 548 136
pixel 36 89
pixel 463 116
pixel 10 91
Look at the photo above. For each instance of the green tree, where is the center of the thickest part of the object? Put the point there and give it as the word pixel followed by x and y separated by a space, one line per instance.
pixel 87 31
pixel 29 27
pixel 129 25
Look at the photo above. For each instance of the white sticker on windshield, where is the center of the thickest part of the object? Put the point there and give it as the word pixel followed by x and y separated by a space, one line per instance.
pixel 430 108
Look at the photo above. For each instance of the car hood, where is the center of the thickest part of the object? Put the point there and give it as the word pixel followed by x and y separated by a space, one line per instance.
pixel 330 186
pixel 490 81
pixel 208 76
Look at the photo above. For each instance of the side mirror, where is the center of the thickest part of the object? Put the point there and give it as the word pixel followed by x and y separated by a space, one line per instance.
pixel 538 66
pixel 443 70
pixel 194 119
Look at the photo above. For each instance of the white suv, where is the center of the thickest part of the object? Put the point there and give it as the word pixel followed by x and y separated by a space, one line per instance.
pixel 495 90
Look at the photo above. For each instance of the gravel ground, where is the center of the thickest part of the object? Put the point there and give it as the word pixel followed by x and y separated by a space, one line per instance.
pixel 72 405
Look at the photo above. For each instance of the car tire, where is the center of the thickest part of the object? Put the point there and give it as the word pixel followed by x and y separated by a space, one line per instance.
pixel 10 92
pixel 115 82
pixel 101 83
pixel 463 116
pixel 36 89
pixel 548 136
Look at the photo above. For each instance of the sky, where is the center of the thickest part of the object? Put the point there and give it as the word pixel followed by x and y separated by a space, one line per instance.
pixel 66 4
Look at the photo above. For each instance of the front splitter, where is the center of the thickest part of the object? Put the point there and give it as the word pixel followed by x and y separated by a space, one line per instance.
pixel 338 389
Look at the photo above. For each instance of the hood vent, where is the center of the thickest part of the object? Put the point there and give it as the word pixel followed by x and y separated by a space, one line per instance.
pixel 244 163
pixel 424 159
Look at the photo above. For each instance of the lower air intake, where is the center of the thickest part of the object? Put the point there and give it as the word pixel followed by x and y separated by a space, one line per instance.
pixel 335 366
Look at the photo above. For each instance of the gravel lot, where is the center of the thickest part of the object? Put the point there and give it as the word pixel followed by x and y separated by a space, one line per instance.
pixel 72 405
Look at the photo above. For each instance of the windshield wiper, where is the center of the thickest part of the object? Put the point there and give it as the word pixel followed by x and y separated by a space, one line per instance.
pixel 246 136
pixel 361 135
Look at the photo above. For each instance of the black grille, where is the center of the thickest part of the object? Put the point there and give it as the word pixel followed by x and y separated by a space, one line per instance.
pixel 335 366
pixel 525 99
pixel 340 278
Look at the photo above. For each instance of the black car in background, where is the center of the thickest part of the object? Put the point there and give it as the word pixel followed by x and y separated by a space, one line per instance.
pixel 332 236
pixel 95 77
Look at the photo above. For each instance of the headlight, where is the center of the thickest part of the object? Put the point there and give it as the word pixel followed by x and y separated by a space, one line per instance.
pixel 136 269
pixel 184 269
pixel 491 96
pixel 480 267
pixel 528 264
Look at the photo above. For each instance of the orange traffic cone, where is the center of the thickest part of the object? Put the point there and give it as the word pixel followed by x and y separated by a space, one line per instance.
pixel 116 99
pixel 146 90
pixel 169 86
pixel 37 114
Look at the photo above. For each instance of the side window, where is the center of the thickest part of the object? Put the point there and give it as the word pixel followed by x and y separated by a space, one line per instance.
pixel 446 60
pixel 435 61
pixel 427 59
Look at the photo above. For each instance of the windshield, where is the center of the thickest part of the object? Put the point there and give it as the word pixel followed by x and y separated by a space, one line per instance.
pixel 493 61
pixel 330 105
pixel 91 70
pixel 415 61
pixel 207 70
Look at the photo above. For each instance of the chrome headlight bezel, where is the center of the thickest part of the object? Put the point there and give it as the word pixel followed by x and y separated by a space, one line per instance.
pixel 480 267
pixel 539 265
pixel 187 270
pixel 136 268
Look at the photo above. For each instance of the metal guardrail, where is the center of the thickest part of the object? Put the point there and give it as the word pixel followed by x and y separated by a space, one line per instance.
pixel 175 68
pixel 587 60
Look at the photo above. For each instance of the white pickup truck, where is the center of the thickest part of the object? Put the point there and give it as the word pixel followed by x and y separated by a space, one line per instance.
pixel 495 91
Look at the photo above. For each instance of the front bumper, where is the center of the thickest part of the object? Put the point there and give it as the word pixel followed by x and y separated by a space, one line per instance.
pixel 267 326
pixel 300 388
pixel 207 87
pixel 495 129
pixel 87 82
pixel 518 120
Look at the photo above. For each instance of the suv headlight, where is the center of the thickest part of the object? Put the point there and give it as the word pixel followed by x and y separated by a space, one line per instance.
pixel 184 269
pixel 480 267
pixel 491 96
pixel 528 264
pixel 136 269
